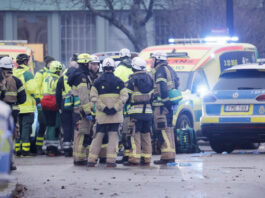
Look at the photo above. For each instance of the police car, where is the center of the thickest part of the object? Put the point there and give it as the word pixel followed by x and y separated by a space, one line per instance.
pixel 234 111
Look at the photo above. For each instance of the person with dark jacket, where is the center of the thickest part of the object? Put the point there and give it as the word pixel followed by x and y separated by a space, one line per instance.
pixel 64 100
pixel 109 95
pixel 140 89
pixel 80 85
pixel 165 79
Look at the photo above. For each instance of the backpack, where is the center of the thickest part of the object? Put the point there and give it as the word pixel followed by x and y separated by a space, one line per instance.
pixel 143 83
pixel 48 103
pixel 186 141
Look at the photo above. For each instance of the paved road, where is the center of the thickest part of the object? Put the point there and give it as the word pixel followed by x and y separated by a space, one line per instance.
pixel 240 174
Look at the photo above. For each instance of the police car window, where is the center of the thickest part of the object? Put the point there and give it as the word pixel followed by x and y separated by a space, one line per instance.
pixel 241 80
pixel 199 81
pixel 230 59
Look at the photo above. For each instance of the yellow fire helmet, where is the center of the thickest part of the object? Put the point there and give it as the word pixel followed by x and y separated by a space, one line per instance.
pixel 83 58
pixel 55 66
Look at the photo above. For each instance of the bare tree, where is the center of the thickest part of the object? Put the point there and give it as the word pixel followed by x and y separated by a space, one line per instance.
pixel 138 12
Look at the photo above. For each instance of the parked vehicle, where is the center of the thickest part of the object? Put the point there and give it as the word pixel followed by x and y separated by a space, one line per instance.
pixel 198 65
pixel 234 111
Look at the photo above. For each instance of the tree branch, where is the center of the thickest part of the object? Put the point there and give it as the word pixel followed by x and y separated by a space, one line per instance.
pixel 149 13
pixel 111 19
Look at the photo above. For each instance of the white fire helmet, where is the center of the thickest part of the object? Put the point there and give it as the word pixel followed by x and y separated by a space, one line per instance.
pixel 6 62
pixel 125 53
pixel 108 62
pixel 159 55
pixel 138 63
pixel 94 59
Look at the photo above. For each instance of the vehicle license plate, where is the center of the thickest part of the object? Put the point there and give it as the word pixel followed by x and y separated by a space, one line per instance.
pixel 236 108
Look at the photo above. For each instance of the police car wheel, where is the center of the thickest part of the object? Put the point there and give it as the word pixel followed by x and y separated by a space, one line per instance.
pixel 183 122
pixel 220 146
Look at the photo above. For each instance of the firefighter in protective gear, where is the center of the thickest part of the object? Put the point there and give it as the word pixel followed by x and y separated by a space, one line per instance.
pixel 14 94
pixel 50 108
pixel 93 75
pixel 64 100
pixel 123 71
pixel 109 95
pixel 14 90
pixel 124 68
pixel 27 109
pixel 39 79
pixel 140 89
pixel 6 128
pixel 78 79
pixel 164 78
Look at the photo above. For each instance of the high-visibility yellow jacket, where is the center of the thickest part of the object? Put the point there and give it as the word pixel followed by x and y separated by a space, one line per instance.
pixel 39 78
pixel 123 72
pixel 49 84
pixel 27 78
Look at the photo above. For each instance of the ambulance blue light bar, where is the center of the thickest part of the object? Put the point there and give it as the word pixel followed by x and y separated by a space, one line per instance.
pixel 218 39
pixel 208 39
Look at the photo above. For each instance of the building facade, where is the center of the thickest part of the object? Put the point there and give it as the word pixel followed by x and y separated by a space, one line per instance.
pixel 62 28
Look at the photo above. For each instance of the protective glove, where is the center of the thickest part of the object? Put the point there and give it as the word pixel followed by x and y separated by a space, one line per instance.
pixel 112 111
pixel 106 110
pixel 89 117
pixel 109 111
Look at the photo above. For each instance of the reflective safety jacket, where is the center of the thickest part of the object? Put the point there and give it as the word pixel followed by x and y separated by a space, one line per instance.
pixel 163 83
pixel 14 92
pixel 140 89
pixel 109 91
pixel 123 72
pixel 78 80
pixel 27 78
pixel 49 84
pixel 39 78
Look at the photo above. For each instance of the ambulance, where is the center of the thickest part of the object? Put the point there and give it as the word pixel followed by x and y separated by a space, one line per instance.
pixel 14 50
pixel 198 66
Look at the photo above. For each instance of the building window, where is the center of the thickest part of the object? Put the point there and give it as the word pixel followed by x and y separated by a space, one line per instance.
pixel 33 28
pixel 78 34
pixel 162 26
pixel 1 27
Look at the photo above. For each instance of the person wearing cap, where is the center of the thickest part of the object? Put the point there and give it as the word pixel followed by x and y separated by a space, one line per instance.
pixel 39 79
pixel 109 95
pixel 27 109
pixel 78 80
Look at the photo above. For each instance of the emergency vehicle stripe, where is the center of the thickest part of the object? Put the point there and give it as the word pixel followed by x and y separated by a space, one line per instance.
pixel 179 48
